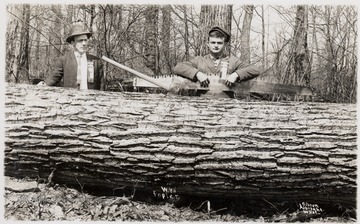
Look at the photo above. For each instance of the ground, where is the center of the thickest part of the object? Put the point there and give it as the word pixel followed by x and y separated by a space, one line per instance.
pixel 31 201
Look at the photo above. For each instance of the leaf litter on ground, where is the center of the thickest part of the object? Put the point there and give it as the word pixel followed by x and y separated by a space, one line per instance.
pixel 50 203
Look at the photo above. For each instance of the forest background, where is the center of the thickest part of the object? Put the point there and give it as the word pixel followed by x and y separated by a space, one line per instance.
pixel 308 45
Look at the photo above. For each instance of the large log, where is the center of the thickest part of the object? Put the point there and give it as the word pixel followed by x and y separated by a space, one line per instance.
pixel 190 145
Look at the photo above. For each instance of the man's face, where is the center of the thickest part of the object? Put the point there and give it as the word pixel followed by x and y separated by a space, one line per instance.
pixel 216 45
pixel 80 43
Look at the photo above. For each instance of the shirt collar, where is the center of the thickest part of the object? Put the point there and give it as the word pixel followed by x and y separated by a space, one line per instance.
pixel 217 58
pixel 78 55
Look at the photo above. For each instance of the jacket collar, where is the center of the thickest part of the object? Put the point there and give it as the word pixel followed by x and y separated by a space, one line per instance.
pixel 210 62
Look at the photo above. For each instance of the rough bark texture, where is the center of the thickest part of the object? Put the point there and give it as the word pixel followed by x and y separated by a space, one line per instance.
pixel 151 38
pixel 17 64
pixel 210 16
pixel 245 34
pixel 300 54
pixel 165 39
pixel 191 145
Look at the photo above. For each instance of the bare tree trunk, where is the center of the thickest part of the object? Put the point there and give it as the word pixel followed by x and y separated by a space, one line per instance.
pixel 151 51
pixel 331 85
pixel 224 148
pixel 58 31
pixel 264 61
pixel 130 41
pixel 18 43
pixel 70 12
pixel 315 46
pixel 339 71
pixel 96 50
pixel 298 64
pixel 93 24
pixel 301 53
pixel 186 34
pixel 245 34
pixel 165 36
pixel 12 42
pixel 25 49
pixel 213 15
pixel 36 62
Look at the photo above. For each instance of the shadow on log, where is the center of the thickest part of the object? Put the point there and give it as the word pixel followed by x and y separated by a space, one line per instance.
pixel 183 145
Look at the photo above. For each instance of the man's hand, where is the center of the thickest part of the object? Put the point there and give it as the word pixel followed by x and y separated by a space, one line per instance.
pixel 41 83
pixel 231 79
pixel 203 79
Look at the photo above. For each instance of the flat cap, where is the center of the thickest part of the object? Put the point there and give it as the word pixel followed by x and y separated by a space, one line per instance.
pixel 216 28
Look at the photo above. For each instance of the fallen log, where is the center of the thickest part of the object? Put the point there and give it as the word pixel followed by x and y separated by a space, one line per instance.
pixel 183 145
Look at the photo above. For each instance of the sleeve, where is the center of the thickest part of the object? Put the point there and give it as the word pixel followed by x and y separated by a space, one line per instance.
pixel 56 74
pixel 248 72
pixel 187 69
pixel 245 71
pixel 99 81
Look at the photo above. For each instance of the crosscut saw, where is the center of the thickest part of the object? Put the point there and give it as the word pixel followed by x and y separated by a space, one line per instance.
pixel 216 88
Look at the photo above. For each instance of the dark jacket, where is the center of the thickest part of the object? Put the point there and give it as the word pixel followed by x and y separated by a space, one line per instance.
pixel 65 69
pixel 205 64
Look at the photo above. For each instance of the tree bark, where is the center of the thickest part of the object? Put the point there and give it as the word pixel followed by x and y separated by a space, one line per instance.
pixel 264 61
pixel 25 49
pixel 151 38
pixel 245 34
pixel 165 39
pixel 186 34
pixel 58 31
pixel 36 62
pixel 301 59
pixel 95 20
pixel 18 44
pixel 210 16
pixel 195 146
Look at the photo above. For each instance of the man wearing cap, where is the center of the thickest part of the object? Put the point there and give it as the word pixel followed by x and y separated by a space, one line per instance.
pixel 216 62
pixel 77 68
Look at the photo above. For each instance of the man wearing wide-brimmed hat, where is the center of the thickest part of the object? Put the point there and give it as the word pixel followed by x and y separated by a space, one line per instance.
pixel 77 68
pixel 217 62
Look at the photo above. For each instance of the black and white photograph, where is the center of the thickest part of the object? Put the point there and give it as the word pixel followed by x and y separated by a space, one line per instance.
pixel 180 111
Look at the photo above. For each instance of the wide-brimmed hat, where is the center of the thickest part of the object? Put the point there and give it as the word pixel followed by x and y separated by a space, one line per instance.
pixel 76 30
pixel 216 28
